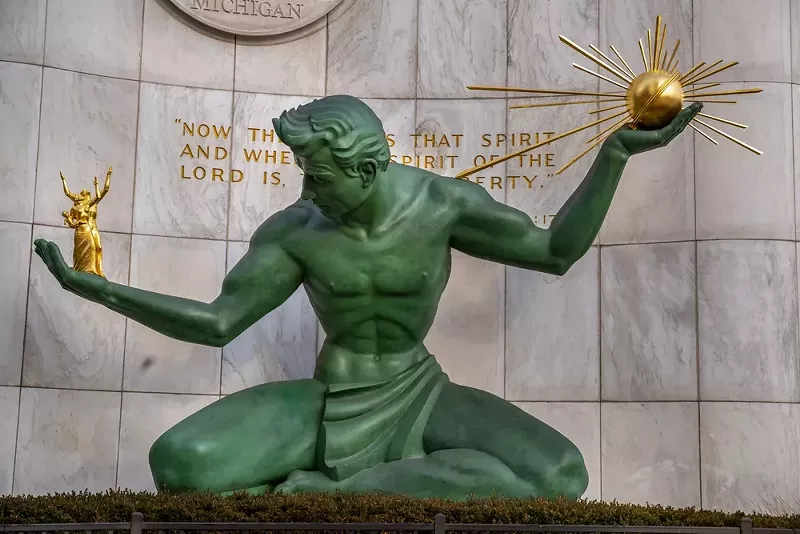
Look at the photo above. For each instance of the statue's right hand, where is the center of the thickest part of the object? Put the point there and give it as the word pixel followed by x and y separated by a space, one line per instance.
pixel 83 284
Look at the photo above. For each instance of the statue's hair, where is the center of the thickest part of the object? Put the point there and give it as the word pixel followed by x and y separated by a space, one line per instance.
pixel 345 124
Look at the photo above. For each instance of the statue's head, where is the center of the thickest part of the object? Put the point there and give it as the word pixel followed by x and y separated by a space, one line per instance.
pixel 85 194
pixel 340 145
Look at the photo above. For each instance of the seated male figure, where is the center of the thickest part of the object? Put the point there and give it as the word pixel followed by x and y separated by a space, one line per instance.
pixel 371 242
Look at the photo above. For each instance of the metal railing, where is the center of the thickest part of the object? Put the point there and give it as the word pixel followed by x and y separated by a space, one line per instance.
pixel 137 525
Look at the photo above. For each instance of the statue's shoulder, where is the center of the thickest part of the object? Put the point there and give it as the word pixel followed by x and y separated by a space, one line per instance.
pixel 455 191
pixel 283 224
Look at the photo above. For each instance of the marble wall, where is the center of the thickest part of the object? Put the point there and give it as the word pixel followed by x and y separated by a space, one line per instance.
pixel 669 354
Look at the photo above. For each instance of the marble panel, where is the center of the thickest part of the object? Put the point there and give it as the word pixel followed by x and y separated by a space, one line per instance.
pixel 655 198
pixel 95 36
pixel 193 58
pixel 728 176
pixel 750 456
pixel 9 412
pixel 747 321
pixel 269 180
pixel 454 135
pixel 532 185
pixel 552 334
pixel 20 96
pixel 301 63
pixel 462 42
pixel 22 30
pixel 15 242
pixel 624 22
pixel 187 268
pixel 536 56
pixel 796 129
pixel 795 31
pixel 71 342
pixel 281 346
pixel 648 341
pixel 67 441
pixel 579 422
pixel 183 162
pixel 651 453
pixel 145 416
pixel 88 124
pixel 719 28
pixel 467 336
pixel 372 50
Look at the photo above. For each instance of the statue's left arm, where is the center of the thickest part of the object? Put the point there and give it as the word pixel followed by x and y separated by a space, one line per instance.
pixel 494 231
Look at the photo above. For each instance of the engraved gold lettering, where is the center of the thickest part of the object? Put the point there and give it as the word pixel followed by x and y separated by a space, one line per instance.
pixel 251 155
pixel 216 174
pixel 272 178
pixel 236 176
pixel 221 131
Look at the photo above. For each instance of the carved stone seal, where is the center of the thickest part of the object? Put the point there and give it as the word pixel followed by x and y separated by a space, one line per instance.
pixel 269 20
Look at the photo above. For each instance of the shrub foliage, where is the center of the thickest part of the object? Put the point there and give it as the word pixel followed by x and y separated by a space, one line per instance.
pixel 117 506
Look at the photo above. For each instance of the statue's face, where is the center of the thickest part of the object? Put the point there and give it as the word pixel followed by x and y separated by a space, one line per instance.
pixel 330 188
pixel 85 195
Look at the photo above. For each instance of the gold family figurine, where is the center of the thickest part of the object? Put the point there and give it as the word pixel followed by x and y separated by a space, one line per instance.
pixel 87 254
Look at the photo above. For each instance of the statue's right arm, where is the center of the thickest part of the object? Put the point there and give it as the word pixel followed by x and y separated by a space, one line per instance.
pixel 260 282
pixel 66 188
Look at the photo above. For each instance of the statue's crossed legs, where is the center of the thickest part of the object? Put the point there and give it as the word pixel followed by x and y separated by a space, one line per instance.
pixel 265 437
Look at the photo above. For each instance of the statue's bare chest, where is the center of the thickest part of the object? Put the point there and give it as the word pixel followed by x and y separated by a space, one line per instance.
pixel 399 264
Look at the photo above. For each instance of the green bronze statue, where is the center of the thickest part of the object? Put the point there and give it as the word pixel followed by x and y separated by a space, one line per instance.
pixel 370 241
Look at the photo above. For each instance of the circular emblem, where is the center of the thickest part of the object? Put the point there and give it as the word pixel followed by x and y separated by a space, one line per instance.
pixel 274 20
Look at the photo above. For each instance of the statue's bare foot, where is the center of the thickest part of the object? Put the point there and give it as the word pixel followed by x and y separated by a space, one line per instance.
pixel 307 481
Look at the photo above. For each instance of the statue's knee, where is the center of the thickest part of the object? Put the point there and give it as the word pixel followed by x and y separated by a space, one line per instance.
pixel 571 478
pixel 176 463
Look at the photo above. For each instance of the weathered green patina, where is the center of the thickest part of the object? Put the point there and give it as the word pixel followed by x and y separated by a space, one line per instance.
pixel 371 243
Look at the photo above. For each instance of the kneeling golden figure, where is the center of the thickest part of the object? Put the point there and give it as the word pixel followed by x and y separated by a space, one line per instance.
pixel 87 253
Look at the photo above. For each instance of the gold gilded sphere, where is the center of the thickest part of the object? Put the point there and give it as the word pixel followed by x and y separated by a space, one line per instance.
pixel 653 100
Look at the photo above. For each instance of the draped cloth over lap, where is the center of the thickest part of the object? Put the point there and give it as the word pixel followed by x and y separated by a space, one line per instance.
pixel 364 425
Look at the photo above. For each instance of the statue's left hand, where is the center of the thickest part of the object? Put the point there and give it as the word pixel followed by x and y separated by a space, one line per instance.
pixel 83 284
pixel 631 142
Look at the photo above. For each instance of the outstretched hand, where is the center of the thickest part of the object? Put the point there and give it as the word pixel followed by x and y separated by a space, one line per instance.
pixel 631 141
pixel 83 284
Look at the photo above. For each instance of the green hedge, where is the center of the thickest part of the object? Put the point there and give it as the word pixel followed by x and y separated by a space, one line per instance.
pixel 117 506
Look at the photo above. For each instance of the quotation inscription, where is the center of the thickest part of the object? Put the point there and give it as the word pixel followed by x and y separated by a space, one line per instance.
pixel 205 156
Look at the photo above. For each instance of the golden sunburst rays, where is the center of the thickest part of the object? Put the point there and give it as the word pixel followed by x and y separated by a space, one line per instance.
pixel 648 100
